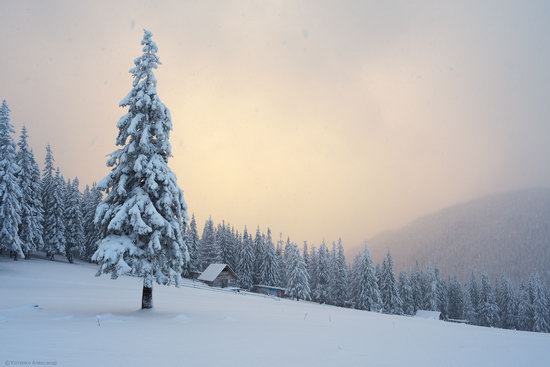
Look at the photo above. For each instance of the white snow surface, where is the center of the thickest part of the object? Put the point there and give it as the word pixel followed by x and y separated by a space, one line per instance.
pixel 60 312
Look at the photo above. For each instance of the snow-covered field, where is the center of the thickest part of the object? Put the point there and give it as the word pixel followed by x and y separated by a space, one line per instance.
pixel 82 320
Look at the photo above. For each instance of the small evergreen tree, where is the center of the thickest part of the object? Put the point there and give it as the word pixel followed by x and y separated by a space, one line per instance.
pixel 192 241
pixel 10 191
pixel 456 300
pixel 539 305
pixel 524 310
pixel 322 291
pixel 298 284
pixel 91 199
pixel 53 195
pixel 504 295
pixel 246 261
pixel 473 301
pixel 391 301
pixel 209 248
pixel 441 295
pixel 406 294
pixel 269 270
pixel 339 278
pixel 30 230
pixel 368 297
pixel 258 256
pixel 488 309
pixel 74 229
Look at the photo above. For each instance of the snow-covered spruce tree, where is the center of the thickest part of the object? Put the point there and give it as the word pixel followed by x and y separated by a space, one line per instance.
pixel 30 230
pixel 441 295
pixel 10 191
pixel 455 306
pixel 209 252
pixel 192 241
pixel 391 301
pixel 472 305
pixel 406 294
pixel 504 295
pixel 269 271
pixel 338 279
pixel 416 286
pixel 74 229
pixel 53 187
pixel 246 261
pixel 539 305
pixel 488 309
pixel 91 230
pixel 298 285
pixel 144 214
pixel 429 290
pixel 226 243
pixel 322 290
pixel 258 255
pixel 524 310
pixel 368 297
pixel 281 265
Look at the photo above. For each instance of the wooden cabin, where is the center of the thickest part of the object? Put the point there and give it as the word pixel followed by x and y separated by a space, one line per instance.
pixel 269 290
pixel 219 275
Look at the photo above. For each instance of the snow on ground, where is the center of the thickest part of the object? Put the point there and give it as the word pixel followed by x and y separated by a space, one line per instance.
pixel 58 312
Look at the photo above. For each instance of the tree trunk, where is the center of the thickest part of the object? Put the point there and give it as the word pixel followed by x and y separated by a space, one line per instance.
pixel 147 298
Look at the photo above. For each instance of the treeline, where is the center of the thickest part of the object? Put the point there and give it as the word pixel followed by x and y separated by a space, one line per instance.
pixel 41 211
pixel 322 274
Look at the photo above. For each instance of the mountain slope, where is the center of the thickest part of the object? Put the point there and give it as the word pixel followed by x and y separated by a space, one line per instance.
pixel 506 232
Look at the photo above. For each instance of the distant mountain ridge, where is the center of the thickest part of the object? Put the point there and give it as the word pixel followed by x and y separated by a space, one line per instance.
pixel 505 232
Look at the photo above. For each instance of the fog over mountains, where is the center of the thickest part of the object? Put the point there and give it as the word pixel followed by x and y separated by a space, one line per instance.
pixel 505 232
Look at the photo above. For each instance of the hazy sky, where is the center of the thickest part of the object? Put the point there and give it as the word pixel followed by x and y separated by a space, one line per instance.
pixel 320 119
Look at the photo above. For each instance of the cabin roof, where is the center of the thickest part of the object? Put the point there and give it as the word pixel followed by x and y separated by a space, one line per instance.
pixel 213 270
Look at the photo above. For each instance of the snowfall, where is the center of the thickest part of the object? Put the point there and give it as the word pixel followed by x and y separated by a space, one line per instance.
pixel 55 313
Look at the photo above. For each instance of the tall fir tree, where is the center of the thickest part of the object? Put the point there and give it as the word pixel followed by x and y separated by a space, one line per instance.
pixel 10 191
pixel 297 286
pixel 30 230
pixel 75 244
pixel 144 215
